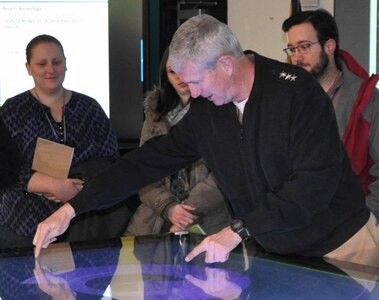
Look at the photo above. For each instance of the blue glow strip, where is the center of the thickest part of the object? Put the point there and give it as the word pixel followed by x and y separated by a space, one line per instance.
pixel 373 36
pixel 141 55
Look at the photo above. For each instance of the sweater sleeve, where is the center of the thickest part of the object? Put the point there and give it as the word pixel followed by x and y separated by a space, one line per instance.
pixel 157 158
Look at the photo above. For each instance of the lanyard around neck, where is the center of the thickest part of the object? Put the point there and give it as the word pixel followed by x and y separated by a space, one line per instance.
pixel 60 140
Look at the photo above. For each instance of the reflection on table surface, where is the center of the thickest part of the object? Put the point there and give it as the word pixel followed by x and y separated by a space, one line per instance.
pixel 153 267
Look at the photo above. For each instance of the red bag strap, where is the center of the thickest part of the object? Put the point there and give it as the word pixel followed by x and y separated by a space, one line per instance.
pixel 365 91
pixel 353 65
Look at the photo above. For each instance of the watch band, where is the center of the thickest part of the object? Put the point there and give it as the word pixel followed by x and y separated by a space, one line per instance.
pixel 238 226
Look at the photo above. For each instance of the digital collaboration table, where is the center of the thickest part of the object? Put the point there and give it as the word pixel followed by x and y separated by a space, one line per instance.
pixel 153 267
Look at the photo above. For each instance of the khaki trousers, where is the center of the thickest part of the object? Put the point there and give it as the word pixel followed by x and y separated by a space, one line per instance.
pixel 362 248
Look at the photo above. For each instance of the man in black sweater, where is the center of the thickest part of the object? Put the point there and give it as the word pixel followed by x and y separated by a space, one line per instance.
pixel 269 134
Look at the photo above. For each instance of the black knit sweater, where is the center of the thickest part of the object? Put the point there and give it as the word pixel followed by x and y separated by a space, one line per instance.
pixel 284 171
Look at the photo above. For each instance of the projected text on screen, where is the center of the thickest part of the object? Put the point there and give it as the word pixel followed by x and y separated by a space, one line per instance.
pixel 82 28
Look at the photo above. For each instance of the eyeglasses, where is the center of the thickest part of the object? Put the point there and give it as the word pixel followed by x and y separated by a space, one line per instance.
pixel 302 49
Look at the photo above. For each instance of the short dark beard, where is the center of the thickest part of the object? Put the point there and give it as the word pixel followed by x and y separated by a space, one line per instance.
pixel 319 70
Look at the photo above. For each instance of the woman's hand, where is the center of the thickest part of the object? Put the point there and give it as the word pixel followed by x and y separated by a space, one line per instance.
pixel 55 189
pixel 65 189
pixel 181 216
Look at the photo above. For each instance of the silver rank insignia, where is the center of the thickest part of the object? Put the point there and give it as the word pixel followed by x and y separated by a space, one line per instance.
pixel 287 76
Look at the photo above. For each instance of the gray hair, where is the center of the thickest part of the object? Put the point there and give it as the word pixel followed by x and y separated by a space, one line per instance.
pixel 202 40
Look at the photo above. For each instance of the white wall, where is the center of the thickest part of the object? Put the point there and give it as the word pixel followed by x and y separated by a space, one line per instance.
pixel 258 23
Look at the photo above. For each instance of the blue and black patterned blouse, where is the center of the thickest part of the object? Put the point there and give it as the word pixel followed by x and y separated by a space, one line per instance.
pixel 87 129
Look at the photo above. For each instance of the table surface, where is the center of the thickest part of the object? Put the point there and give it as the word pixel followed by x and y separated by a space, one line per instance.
pixel 153 267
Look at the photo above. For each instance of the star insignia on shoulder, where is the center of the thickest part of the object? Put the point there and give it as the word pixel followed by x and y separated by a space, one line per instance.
pixel 287 76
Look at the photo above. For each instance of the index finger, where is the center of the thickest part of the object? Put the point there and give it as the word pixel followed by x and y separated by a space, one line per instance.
pixel 196 251
pixel 195 281
pixel 42 238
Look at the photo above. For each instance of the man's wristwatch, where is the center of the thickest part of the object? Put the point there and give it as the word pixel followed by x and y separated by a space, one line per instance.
pixel 238 226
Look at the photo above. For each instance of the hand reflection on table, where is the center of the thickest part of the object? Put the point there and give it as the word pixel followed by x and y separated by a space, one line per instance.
pixel 166 273
pixel 52 285
pixel 249 273
pixel 72 271
pixel 216 284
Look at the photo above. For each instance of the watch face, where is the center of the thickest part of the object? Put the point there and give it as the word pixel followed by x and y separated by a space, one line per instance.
pixel 238 226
